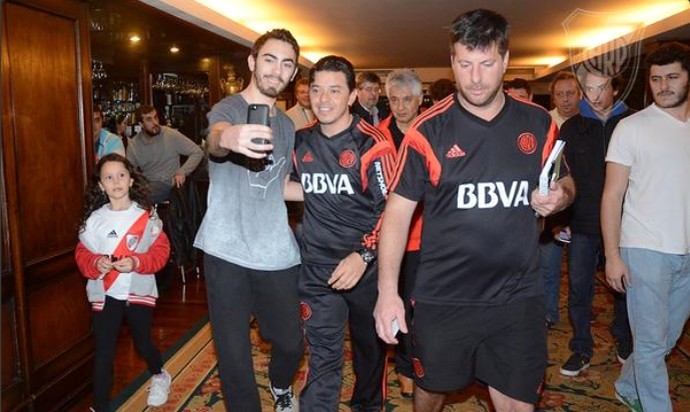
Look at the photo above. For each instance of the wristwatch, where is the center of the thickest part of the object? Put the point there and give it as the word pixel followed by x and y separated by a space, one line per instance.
pixel 367 255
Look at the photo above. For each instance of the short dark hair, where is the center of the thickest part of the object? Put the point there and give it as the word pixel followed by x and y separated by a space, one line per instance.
pixel 673 52
pixel 334 64
pixel 144 109
pixel 480 29
pixel 367 77
pixel 518 83
pixel 441 88
pixel 277 34
pixel 302 81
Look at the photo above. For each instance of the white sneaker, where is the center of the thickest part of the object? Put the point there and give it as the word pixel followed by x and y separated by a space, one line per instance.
pixel 284 402
pixel 159 389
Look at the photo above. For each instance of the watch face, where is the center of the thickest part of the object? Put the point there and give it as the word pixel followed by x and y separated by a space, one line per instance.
pixel 367 255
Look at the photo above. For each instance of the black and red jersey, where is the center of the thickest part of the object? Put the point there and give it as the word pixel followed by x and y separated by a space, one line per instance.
pixel 345 181
pixel 475 178
pixel 414 237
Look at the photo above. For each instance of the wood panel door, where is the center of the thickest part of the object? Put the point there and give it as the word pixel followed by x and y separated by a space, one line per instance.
pixel 47 350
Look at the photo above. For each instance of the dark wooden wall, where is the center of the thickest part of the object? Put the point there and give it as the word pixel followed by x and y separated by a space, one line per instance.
pixel 47 348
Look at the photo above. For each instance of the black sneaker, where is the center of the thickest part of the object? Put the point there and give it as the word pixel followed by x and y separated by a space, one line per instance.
pixel 285 401
pixel 623 351
pixel 575 364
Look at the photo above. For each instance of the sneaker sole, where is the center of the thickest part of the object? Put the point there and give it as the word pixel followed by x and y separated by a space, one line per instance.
pixel 566 372
pixel 621 360
pixel 154 405
pixel 620 399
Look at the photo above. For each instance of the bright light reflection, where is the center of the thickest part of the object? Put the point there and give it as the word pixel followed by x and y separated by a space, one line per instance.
pixel 261 16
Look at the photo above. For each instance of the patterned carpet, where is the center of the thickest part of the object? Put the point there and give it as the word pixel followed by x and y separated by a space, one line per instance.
pixel 196 386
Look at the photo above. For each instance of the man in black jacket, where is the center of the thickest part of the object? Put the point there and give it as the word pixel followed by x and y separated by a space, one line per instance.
pixel 587 136
pixel 368 92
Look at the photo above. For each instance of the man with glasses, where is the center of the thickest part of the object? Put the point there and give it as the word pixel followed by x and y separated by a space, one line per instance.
pixel 368 92
pixel 587 136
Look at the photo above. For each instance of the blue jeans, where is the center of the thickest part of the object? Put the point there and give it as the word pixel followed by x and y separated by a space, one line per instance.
pixel 583 254
pixel 659 306
pixel 551 254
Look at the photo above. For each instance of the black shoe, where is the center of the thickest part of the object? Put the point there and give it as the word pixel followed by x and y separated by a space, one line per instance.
pixel 623 350
pixel 575 364
pixel 285 401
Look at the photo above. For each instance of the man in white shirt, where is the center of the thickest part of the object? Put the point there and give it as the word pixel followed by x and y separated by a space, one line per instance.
pixel 647 237
pixel 301 113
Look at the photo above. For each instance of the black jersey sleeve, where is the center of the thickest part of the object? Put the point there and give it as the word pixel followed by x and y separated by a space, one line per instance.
pixel 377 169
pixel 416 167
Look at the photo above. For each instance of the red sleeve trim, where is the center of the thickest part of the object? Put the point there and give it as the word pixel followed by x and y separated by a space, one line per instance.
pixel 86 261
pixel 551 138
pixel 156 257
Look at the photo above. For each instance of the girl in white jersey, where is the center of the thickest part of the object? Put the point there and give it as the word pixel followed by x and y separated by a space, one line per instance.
pixel 121 246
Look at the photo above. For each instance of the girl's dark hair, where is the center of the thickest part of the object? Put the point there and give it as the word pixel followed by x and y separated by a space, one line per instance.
pixel 95 197
pixel 115 121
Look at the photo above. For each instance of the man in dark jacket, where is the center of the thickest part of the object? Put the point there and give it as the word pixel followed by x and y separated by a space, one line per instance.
pixel 367 104
pixel 587 136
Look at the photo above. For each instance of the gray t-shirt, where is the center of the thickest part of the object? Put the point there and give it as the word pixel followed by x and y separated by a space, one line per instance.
pixel 246 222
pixel 159 156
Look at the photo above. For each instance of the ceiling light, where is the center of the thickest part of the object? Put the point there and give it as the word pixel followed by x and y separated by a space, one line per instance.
pixel 544 61
pixel 174 49
pixel 135 38
pixel 314 56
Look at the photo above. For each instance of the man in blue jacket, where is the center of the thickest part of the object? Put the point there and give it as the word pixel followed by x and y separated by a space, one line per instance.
pixel 587 136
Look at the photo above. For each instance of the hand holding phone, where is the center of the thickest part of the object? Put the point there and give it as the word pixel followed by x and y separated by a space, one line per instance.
pixel 259 114
pixel 395 327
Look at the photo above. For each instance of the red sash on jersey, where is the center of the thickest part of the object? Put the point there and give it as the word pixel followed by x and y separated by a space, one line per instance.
pixel 127 244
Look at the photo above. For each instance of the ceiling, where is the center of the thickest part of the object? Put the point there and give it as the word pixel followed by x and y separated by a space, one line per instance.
pixel 388 34
pixel 113 22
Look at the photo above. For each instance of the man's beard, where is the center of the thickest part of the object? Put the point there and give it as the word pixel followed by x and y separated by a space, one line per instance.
pixel 267 91
pixel 472 100
pixel 150 133
pixel 682 98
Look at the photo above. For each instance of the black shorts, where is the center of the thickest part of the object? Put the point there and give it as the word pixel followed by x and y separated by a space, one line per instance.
pixel 502 346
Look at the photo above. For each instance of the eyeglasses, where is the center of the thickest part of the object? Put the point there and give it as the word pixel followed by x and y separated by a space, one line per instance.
pixel 569 93
pixel 371 89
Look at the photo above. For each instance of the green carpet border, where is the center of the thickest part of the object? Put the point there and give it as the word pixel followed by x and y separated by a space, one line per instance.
pixel 199 386
pixel 126 393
